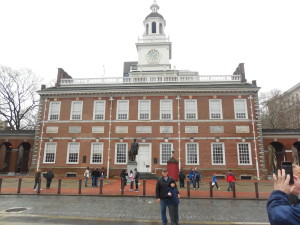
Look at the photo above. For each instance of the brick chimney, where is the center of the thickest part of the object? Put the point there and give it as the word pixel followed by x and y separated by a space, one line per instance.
pixel 61 74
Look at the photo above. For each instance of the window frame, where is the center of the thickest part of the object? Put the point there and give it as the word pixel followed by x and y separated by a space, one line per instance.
pixel 92 152
pixel 104 107
pixel 118 108
pixel 126 153
pixel 186 108
pixel 223 153
pixel 50 110
pixel 249 154
pixel 45 152
pixel 160 108
pixel 236 108
pixel 72 107
pixel 210 109
pixel 140 106
pixel 68 153
pixel 197 152
pixel 160 152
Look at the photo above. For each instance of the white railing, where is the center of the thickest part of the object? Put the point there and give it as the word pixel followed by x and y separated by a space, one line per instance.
pixel 152 79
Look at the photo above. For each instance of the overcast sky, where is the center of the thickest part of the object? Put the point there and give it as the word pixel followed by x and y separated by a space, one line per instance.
pixel 208 36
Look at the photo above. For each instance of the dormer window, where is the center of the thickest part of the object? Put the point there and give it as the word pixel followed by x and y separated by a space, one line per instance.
pixel 153 28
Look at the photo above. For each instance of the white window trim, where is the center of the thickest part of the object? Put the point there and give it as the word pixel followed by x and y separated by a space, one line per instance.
pixel 95 109
pixel 198 158
pixel 160 108
pixel 221 110
pixel 223 152
pixel 118 109
pixel 149 109
pixel 246 109
pixel 185 108
pixel 44 160
pixel 116 163
pixel 72 110
pixel 250 154
pixel 160 152
pixel 50 108
pixel 67 161
pixel 91 157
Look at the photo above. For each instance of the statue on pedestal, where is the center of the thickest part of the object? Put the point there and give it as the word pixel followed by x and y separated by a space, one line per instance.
pixel 133 150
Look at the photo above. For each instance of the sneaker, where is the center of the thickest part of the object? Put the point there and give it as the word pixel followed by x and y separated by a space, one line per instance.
pixel 41 189
pixel 136 191
pixel 219 188
pixel 34 189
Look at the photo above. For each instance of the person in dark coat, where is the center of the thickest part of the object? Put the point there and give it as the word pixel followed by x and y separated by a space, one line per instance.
pixel 136 177
pixel 123 179
pixel 173 201
pixel 49 177
pixel 161 187
pixel 181 176
pixel 95 176
pixel 37 179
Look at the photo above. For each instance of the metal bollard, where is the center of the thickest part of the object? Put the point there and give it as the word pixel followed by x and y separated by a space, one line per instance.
pixel 80 185
pixel 211 189
pixel 101 186
pixel 19 186
pixel 188 188
pixel 144 187
pixel 256 189
pixel 0 184
pixel 233 190
pixel 59 186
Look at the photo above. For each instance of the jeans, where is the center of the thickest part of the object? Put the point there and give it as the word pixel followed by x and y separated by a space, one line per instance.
pixel 95 181
pixel 173 211
pixel 163 210
pixel 86 181
pixel 230 186
pixel 136 184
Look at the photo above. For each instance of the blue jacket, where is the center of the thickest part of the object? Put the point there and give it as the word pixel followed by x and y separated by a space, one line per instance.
pixel 280 211
pixel 172 200
pixel 214 178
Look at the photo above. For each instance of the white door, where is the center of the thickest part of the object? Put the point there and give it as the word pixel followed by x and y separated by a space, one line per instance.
pixel 144 158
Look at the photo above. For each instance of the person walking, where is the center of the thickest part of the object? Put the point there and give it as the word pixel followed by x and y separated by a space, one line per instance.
pixel 123 179
pixel 102 173
pixel 136 176
pixel 49 177
pixel 230 179
pixel 173 201
pixel 86 176
pixel 37 179
pixel 214 181
pixel 196 179
pixel 131 178
pixel 161 186
pixel 181 176
pixel 95 176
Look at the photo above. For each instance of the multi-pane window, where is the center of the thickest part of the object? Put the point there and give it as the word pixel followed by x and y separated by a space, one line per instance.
pixel 165 152
pixel 97 152
pixel 190 106
pixel 244 154
pixel 192 154
pixel 215 108
pixel 99 110
pixel 166 111
pixel 50 152
pixel 217 152
pixel 73 153
pixel 54 111
pixel 121 153
pixel 144 109
pixel 122 109
pixel 76 110
pixel 240 109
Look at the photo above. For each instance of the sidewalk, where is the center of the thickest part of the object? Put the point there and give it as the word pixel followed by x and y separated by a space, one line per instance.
pixel 70 186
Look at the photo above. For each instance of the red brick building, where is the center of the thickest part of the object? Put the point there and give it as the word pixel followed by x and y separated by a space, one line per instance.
pixel 209 122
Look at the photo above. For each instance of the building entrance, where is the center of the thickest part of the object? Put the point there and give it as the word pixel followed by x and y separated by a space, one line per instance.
pixel 144 158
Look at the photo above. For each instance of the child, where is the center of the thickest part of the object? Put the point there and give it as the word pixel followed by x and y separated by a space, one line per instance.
pixel 131 180
pixel 173 201
pixel 214 182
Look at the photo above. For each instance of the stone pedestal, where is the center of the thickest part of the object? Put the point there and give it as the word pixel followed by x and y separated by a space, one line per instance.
pixel 131 165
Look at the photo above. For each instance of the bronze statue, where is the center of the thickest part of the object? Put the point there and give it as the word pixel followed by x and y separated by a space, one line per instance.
pixel 133 150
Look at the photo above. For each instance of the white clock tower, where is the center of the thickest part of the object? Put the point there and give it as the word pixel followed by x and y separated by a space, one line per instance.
pixel 154 48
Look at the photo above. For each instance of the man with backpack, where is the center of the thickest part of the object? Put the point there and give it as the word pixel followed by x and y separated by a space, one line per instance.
pixel 197 178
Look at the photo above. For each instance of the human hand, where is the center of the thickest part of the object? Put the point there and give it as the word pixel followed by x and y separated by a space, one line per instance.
pixel 178 195
pixel 169 194
pixel 281 182
pixel 158 200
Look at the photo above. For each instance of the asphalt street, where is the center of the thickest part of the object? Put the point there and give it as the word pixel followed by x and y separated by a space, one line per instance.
pixel 90 210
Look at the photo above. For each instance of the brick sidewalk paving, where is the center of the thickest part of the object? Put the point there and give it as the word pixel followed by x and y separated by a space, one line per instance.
pixel 70 186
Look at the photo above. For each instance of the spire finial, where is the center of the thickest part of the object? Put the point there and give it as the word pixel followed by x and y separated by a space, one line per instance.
pixel 154 7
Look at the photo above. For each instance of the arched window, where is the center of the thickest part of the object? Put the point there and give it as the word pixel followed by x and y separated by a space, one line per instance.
pixel 160 29
pixel 147 29
pixel 153 28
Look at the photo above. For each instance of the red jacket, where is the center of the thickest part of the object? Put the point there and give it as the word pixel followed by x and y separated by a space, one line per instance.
pixel 230 177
